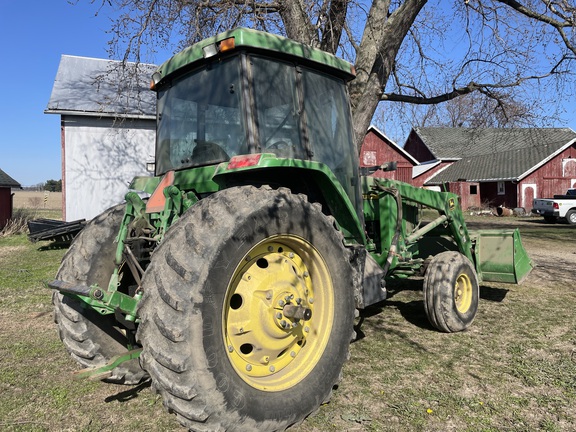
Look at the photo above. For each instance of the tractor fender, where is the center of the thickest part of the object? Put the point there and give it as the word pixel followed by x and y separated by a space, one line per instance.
pixel 314 179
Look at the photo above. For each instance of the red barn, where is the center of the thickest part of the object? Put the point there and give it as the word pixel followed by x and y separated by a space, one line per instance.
pixel 498 167
pixel 6 184
pixel 378 149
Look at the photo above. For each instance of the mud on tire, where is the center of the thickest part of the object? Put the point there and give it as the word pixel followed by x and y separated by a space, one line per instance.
pixel 90 338
pixel 216 338
pixel 451 292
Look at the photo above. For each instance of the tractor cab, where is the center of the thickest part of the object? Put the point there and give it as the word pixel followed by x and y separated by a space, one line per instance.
pixel 245 93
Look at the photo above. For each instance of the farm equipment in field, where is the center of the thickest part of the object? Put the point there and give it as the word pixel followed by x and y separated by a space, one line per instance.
pixel 54 230
pixel 231 278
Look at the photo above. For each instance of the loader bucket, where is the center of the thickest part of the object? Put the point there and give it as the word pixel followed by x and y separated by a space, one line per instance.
pixel 501 257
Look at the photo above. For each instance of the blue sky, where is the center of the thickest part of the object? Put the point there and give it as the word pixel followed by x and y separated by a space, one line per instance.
pixel 35 34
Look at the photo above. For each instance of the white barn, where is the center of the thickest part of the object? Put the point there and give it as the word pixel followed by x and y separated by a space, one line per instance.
pixel 107 130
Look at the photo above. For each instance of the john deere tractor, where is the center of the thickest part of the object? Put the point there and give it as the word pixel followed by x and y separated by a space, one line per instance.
pixel 232 277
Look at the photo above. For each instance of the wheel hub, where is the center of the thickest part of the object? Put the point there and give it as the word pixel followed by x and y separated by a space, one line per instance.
pixel 271 323
pixel 463 293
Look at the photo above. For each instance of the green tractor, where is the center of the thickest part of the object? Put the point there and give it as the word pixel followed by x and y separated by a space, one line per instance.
pixel 232 277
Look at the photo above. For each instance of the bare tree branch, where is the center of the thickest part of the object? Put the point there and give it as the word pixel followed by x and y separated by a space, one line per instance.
pixel 403 50
pixel 332 30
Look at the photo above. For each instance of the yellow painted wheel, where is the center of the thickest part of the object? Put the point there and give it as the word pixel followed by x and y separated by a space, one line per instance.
pixel 248 301
pixel 278 313
pixel 451 292
pixel 463 293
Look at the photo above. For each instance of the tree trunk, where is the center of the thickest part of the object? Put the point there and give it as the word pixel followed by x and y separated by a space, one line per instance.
pixel 297 23
pixel 381 41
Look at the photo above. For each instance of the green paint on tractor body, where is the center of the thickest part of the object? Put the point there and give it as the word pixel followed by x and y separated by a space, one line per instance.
pixel 248 108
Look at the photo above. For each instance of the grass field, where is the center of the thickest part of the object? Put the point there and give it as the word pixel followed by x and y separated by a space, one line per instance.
pixel 513 370
pixel 38 200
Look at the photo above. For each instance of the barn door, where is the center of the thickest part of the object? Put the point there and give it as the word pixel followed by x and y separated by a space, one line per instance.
pixel 528 195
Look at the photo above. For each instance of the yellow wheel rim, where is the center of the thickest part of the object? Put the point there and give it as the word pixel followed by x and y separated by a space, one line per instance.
pixel 463 293
pixel 278 313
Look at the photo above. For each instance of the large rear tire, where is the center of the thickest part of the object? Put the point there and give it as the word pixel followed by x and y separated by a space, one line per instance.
pixel 451 292
pixel 219 335
pixel 93 339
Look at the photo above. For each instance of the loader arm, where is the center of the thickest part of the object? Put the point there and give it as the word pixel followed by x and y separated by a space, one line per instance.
pixel 496 255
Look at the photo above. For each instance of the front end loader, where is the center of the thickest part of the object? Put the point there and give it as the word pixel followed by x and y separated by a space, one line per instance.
pixel 231 278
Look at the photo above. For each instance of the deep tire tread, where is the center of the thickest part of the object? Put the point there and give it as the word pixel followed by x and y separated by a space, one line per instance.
pixel 169 317
pixel 438 298
pixel 90 338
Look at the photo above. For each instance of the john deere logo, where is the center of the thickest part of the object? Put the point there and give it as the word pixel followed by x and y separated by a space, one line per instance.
pixel 451 203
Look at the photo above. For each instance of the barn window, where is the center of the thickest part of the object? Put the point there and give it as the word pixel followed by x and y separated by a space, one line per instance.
pixel 473 189
pixel 501 188
pixel 369 158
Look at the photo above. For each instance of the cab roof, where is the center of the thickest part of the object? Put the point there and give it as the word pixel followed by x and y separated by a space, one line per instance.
pixel 256 41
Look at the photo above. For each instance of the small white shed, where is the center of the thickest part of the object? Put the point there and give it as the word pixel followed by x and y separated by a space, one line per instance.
pixel 107 130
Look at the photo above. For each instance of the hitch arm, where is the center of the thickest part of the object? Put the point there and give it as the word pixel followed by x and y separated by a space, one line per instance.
pixel 99 299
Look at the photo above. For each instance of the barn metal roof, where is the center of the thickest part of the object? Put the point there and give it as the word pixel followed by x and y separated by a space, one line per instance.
pixel 90 86
pixel 7 181
pixel 493 154
pixel 455 143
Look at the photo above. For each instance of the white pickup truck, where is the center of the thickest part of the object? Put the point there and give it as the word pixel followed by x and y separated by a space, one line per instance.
pixel 561 206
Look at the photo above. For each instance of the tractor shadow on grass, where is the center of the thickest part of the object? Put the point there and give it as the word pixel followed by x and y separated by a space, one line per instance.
pixel 410 309
pixel 126 395
pixel 413 310
pixel 493 294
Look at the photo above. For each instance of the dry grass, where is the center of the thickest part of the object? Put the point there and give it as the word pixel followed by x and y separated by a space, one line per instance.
pixel 37 200
pixel 30 205
pixel 513 370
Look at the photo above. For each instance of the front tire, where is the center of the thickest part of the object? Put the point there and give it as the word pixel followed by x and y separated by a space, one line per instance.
pixel 93 339
pixel 219 339
pixel 451 292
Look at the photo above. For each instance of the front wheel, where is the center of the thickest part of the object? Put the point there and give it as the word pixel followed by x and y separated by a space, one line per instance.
pixel 248 311
pixel 450 292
